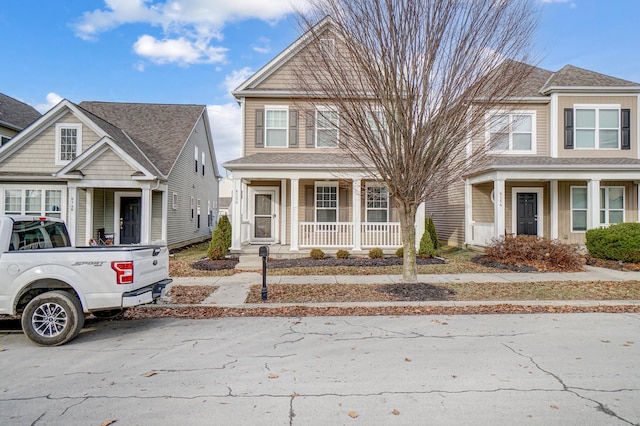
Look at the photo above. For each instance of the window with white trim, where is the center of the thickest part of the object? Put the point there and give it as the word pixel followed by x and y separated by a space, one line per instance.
pixel 579 208
pixel 193 208
pixel 326 202
pixel 36 202
pixel 174 201
pixel 326 127
pixel 202 156
pixel 611 205
pixel 68 142
pixel 195 159
pixel 512 132
pixel 597 127
pixel 276 127
pixel 377 203
pixel 198 213
pixel 377 122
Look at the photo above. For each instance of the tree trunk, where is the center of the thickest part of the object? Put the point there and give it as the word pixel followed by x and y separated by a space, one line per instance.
pixel 407 224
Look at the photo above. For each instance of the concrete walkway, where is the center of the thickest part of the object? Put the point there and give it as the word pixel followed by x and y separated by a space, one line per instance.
pixel 233 290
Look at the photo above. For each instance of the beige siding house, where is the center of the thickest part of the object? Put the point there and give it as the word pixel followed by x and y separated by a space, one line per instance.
pixel 117 173
pixel 294 186
pixel 563 158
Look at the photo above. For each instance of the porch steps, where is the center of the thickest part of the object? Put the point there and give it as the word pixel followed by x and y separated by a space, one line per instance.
pixel 249 262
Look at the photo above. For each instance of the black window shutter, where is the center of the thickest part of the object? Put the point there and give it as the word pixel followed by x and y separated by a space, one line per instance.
pixel 568 128
pixel 625 118
pixel 259 128
pixel 311 129
pixel 293 128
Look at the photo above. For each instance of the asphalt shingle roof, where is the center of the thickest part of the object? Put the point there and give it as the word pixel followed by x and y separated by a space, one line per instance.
pixel 571 76
pixel 15 114
pixel 158 131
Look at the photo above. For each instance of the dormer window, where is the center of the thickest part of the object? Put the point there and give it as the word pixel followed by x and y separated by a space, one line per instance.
pixel 68 142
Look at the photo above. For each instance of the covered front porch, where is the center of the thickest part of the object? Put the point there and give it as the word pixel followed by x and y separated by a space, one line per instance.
pixel 314 210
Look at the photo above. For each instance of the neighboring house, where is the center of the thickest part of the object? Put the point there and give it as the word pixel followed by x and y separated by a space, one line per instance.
pixel 564 158
pixel 294 185
pixel 14 116
pixel 120 173
pixel 225 197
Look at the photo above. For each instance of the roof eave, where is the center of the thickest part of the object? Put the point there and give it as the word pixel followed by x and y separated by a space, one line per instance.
pixel 590 89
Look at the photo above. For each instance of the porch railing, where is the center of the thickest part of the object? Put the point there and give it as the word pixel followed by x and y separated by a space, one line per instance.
pixel 341 234
pixel 381 234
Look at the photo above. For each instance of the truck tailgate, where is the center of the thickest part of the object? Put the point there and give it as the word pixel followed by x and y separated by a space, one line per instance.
pixel 151 264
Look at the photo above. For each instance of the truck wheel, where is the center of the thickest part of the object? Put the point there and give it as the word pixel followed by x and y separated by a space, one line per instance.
pixel 53 318
pixel 110 314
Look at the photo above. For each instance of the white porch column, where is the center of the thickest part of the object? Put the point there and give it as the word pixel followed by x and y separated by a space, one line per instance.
pixel 236 214
pixel 145 226
pixel 498 207
pixel 419 223
pixel 283 211
pixel 165 212
pixel 553 207
pixel 356 196
pixel 88 214
pixel 294 214
pixel 593 203
pixel 468 213
pixel 72 219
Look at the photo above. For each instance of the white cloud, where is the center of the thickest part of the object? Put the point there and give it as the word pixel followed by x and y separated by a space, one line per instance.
pixel 180 51
pixel 188 26
pixel 53 99
pixel 235 79
pixel 263 47
pixel 226 124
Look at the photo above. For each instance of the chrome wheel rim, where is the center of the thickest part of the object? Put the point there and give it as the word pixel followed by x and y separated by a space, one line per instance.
pixel 49 319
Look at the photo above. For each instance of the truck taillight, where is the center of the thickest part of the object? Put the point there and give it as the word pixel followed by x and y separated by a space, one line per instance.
pixel 124 272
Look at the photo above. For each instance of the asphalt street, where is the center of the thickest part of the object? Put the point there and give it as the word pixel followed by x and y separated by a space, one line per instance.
pixel 575 369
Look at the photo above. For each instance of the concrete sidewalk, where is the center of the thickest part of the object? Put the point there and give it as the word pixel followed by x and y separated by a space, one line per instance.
pixel 233 290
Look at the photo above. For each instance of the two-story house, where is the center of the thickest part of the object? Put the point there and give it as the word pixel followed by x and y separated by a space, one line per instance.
pixel 117 173
pixel 14 116
pixel 563 157
pixel 295 185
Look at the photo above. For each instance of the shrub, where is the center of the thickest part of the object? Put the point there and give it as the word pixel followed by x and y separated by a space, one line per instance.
pixel 430 227
pixel 617 242
pixel 220 240
pixel 316 253
pixel 426 246
pixel 400 253
pixel 542 253
pixel 376 253
pixel 342 254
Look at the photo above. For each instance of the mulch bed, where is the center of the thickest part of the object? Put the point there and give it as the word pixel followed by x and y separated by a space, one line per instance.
pixel 207 264
pixel 612 264
pixel 417 292
pixel 492 263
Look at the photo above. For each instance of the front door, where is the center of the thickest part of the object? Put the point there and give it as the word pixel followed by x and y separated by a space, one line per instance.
pixel 527 213
pixel 130 220
pixel 264 217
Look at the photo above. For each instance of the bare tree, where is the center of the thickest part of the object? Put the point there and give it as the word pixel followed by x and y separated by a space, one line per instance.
pixel 412 81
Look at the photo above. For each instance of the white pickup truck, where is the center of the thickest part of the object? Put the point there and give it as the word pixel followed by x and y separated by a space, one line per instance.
pixel 52 285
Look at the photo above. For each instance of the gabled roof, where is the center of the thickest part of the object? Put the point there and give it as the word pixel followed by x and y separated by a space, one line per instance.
pixel 157 132
pixel 573 78
pixel 15 114
pixel 284 56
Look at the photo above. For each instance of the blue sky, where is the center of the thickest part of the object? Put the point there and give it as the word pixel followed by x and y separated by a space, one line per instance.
pixel 197 51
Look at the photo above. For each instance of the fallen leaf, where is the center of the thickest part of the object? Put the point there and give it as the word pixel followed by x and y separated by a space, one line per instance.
pixel 605 341
pixel 295 394
pixel 353 414
pixel 1 349
pixel 273 376
pixel 395 412
pixel 555 407
pixel 150 373
pixel 112 383
pixel 407 359
pixel 108 422
pixel 630 342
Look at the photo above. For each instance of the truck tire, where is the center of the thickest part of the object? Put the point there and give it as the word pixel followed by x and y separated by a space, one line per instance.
pixel 53 318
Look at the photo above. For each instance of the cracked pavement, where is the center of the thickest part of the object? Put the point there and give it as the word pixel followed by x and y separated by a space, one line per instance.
pixel 552 369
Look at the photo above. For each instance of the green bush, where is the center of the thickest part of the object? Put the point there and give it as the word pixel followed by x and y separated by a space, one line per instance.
pixel 617 242
pixel 342 254
pixel 376 253
pixel 316 253
pixel 400 253
pixel 426 246
pixel 430 227
pixel 220 240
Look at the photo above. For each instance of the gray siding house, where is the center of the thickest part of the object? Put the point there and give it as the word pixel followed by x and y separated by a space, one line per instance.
pixel 117 173
pixel 14 116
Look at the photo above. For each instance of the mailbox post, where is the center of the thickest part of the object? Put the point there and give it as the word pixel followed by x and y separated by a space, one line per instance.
pixel 264 253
